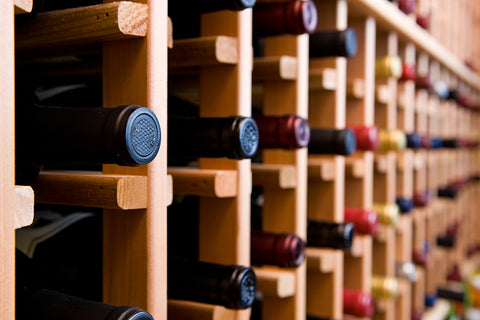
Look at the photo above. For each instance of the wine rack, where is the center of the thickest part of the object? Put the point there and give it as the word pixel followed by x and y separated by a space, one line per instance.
pixel 142 63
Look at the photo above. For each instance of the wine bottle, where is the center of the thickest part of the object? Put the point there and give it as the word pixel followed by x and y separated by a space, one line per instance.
pixel 285 132
pixel 234 137
pixel 452 291
pixel 408 72
pixel 448 191
pixel 423 82
pixel 365 221
pixel 192 6
pixel 367 137
pixel 35 302
pixel 422 198
pixel 330 234
pixel 277 18
pixel 332 141
pixel 384 287
pixel 127 135
pixel 392 140
pixel 285 250
pixel 405 205
pixel 337 43
pixel 451 143
pixel 231 286
pixel 446 241
pixel 414 140
pixel 388 67
pixel 387 213
pixel 406 270
pixel 407 6
pixel 358 303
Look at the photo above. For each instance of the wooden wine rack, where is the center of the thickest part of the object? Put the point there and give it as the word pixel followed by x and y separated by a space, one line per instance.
pixel 139 55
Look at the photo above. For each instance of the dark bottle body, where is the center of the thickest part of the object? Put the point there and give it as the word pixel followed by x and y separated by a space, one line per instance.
pixel 332 141
pixel 277 18
pixel 333 43
pixel 285 132
pixel 234 137
pixel 231 286
pixel 330 234
pixel 126 135
pixel 283 249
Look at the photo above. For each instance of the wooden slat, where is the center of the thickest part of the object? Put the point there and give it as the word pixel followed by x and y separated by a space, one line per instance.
pixel 111 191
pixel 203 182
pixel 203 51
pixel 390 18
pixel 275 282
pixel 23 6
pixel 274 68
pixel 24 202
pixel 321 260
pixel 135 245
pixel 439 311
pixel 356 88
pixel 7 148
pixel 355 168
pixel 104 22
pixel 322 79
pixel 321 169
pixel 274 176
pixel 183 310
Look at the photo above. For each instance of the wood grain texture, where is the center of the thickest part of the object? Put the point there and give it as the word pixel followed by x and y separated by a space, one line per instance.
pixel 275 282
pixel 183 310
pixel 24 202
pixel 274 68
pixel 125 192
pixel 274 176
pixel 104 22
pixel 7 172
pixel 203 51
pixel 204 182
pixel 23 6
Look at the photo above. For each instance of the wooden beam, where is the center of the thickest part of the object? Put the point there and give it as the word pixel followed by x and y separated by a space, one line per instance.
pixel 23 6
pixel 24 202
pixel 274 68
pixel 275 282
pixel 103 22
pixel 274 176
pixel 181 310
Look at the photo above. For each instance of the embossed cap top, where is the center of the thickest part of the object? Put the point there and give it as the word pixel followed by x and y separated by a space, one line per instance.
pixel 142 135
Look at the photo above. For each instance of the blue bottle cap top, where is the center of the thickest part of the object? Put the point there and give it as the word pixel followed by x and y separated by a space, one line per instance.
pixel 142 135
pixel 248 137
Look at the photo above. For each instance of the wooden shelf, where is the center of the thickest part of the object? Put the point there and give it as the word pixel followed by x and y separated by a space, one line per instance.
pixel 203 51
pixel 321 169
pixel 24 203
pixel 104 22
pixel 389 17
pixel 322 79
pixel 321 260
pixel 275 68
pixel 354 168
pixel 356 89
pixel 275 282
pixel 279 176
pixel 204 182
pixel 23 6
pixel 179 309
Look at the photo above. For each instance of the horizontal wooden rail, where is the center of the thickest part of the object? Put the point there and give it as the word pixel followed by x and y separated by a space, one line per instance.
pixel 274 176
pixel 274 68
pixel 24 203
pixel 203 182
pixel 382 93
pixel 23 6
pixel 179 309
pixel 389 17
pixel 104 22
pixel 322 260
pixel 203 51
pixel 321 169
pixel 275 282
pixel 354 168
pixel 91 189
pixel 356 89
pixel 322 79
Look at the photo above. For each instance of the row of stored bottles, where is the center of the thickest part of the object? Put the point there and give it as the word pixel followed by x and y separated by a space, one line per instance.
pixel 239 137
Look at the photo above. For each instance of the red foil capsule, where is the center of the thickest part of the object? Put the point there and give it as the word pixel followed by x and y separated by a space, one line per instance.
pixel 358 303
pixel 285 132
pixel 365 221
pixel 291 17
pixel 285 250
pixel 407 6
pixel 408 72
pixel 423 21
pixel 423 82
pixel 367 137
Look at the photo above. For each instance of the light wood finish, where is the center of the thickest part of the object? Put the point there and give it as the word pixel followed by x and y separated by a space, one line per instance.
pixel 7 172
pixel 388 16
pixel 275 282
pixel 110 191
pixel 204 183
pixel 358 264
pixel 439 311
pixel 24 202
pixel 274 176
pixel 356 89
pixel 203 51
pixel 355 168
pixel 23 6
pixel 182 310
pixel 104 22
pixel 134 245
pixel 275 68
pixel 322 79
pixel 321 169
